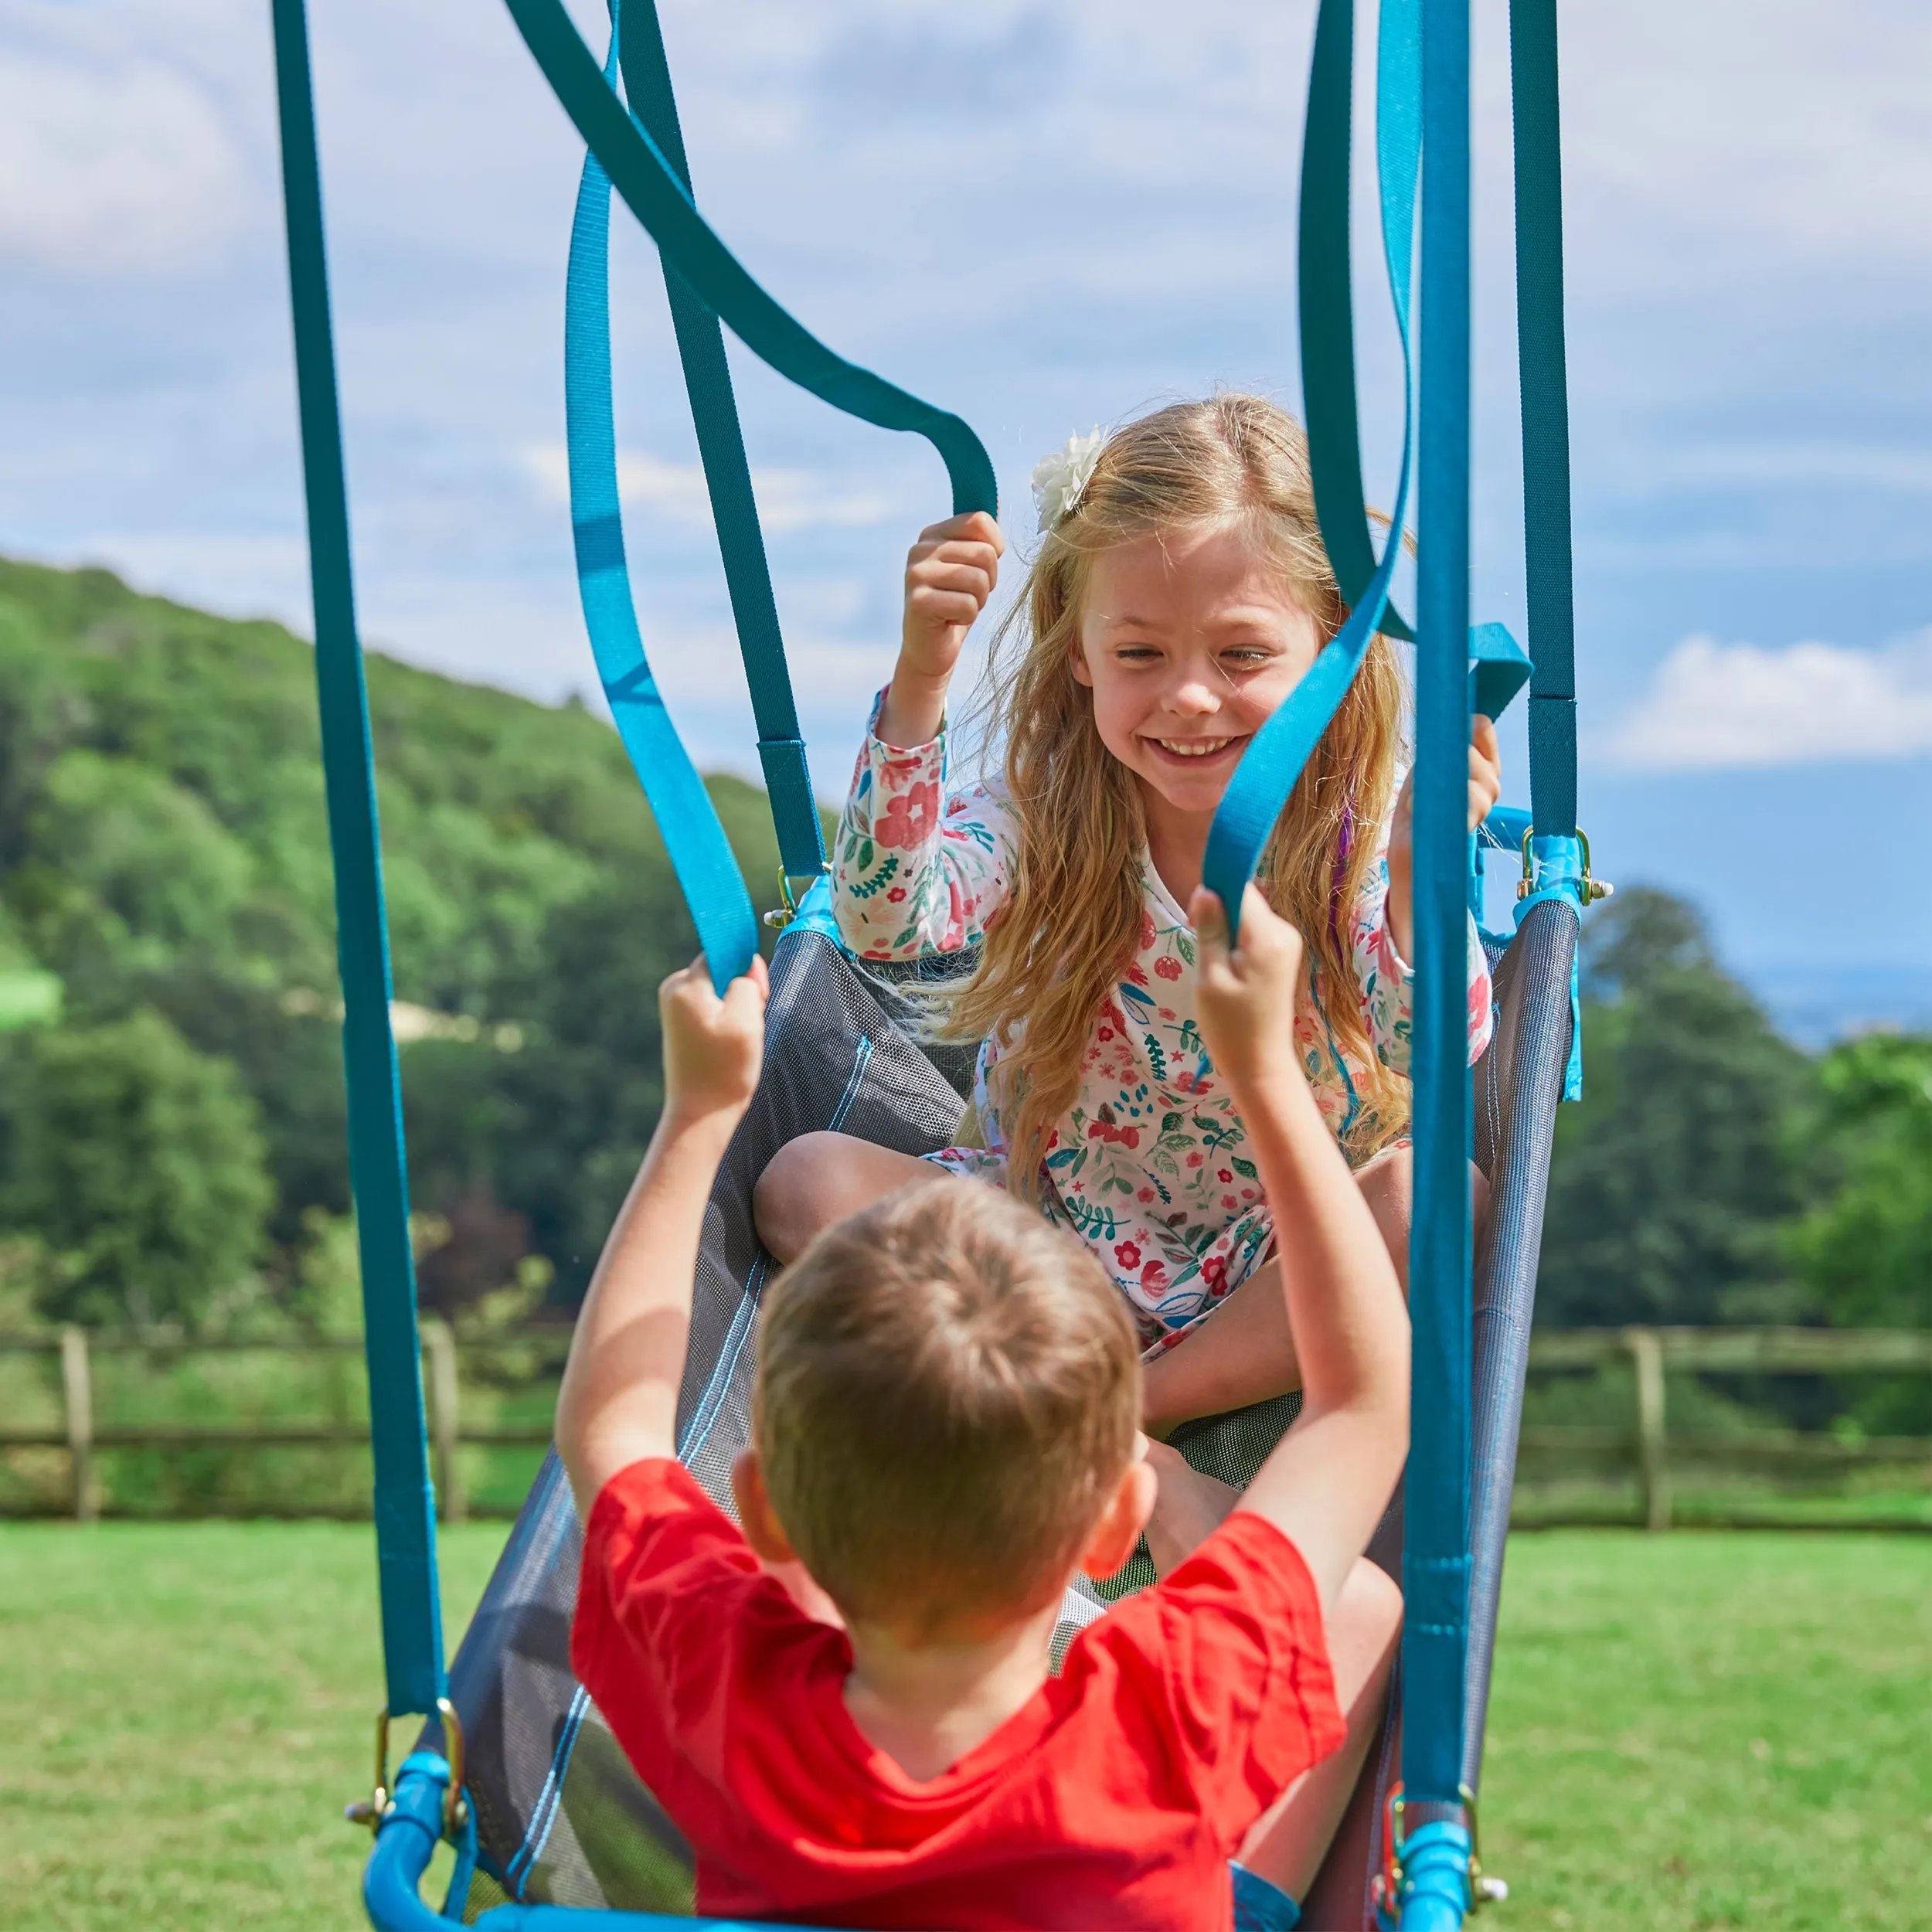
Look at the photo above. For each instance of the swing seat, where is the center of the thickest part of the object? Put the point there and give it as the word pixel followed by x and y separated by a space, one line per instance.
pixel 562 1819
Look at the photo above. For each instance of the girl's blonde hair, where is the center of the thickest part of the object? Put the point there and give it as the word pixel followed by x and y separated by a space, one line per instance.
pixel 1072 923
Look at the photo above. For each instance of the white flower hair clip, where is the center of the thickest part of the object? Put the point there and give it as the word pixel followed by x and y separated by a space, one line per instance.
pixel 1059 479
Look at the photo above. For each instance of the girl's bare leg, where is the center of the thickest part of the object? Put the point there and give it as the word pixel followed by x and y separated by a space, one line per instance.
pixel 1286 1845
pixel 1245 1353
pixel 820 1178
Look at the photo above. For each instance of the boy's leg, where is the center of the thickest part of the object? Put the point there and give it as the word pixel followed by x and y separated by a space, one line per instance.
pixel 819 1179
pixel 1286 1845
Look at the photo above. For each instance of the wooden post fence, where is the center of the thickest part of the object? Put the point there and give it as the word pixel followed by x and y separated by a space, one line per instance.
pixel 1653 1464
pixel 77 1400
pixel 1647 1444
pixel 439 1346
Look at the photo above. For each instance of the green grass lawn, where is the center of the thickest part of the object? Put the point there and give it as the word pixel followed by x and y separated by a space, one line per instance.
pixel 1691 1731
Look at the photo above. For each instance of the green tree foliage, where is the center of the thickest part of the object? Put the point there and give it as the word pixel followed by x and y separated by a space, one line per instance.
pixel 1866 1250
pixel 164 850
pixel 1673 1178
pixel 135 1161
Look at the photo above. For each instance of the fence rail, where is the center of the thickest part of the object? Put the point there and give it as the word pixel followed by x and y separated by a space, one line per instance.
pixel 1647 1445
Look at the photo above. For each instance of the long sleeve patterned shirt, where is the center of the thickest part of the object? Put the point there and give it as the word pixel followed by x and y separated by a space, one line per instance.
pixel 1149 1167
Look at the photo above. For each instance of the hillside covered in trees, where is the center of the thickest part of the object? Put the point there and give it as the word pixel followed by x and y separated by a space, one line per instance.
pixel 170 1099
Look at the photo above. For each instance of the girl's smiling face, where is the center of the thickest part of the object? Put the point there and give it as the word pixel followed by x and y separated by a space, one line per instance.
pixel 1189 642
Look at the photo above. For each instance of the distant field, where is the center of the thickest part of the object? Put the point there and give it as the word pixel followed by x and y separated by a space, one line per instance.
pixel 1689 1732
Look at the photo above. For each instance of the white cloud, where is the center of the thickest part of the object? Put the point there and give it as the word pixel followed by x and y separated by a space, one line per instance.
pixel 788 499
pixel 1714 706
pixel 110 170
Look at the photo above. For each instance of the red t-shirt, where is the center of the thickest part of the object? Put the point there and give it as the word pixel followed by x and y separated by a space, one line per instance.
pixel 1114 1797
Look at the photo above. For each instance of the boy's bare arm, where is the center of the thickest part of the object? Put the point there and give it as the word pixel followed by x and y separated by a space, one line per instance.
pixel 619 1401
pixel 1330 1477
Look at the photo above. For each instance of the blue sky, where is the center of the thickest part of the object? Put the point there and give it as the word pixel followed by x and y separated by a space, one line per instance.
pixel 1045 216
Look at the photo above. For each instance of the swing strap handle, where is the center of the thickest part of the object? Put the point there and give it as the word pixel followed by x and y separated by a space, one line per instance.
pixel 656 194
pixel 701 855
pixel 721 448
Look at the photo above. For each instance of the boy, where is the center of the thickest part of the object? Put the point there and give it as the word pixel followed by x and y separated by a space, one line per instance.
pixel 944 1432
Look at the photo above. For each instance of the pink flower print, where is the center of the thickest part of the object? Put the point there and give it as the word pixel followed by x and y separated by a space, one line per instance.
pixel 910 818
pixel 1229 1201
pixel 896 895
pixel 1195 1158
pixel 1147 930
pixel 1145 1194
pixel 1167 1012
pixel 1214 1272
pixel 1154 1275
pixel 1136 977
pixel 1167 966
pixel 1127 1254
pixel 1222 1175
pixel 1106 1033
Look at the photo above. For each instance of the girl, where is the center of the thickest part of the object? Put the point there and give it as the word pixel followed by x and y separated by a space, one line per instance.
pixel 1180 592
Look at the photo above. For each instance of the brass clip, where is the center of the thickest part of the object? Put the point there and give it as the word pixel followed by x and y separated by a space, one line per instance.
pixel 381 1801
pixel 780 917
pixel 1588 890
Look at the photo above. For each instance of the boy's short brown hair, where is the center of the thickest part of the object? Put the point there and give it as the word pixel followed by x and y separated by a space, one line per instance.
pixel 948 1390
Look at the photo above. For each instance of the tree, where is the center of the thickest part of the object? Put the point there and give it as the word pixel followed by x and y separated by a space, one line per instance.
pixel 136 1163
pixel 1672 1181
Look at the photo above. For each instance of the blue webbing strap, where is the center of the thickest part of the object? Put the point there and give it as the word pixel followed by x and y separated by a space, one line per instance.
pixel 700 854
pixel 656 195
pixel 405 1501
pixel 1325 294
pixel 1268 770
pixel 1436 1561
pixel 721 447
pixel 1546 412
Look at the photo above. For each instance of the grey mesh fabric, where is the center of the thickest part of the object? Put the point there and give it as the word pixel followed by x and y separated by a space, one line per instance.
pixel 561 1816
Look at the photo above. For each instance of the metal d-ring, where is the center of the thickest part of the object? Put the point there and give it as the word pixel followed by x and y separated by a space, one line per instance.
pixel 382 1800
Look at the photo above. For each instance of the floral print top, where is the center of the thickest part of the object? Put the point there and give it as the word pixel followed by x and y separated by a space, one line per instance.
pixel 1148 1167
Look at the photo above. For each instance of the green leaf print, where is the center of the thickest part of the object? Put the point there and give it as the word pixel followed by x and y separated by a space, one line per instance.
pixel 1245 1168
pixel 1184 947
pixel 1169 1122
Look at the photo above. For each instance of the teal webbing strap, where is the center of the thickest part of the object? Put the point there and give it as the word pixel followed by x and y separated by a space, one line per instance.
pixel 700 854
pixel 1435 1563
pixel 1325 294
pixel 721 448
pixel 405 1502
pixel 1545 414
pixel 1268 770
pixel 656 195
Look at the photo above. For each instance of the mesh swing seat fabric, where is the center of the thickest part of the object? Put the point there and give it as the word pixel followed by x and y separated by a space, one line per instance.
pixel 561 1817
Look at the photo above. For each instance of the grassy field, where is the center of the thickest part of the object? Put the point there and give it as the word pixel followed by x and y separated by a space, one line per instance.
pixel 1688 1732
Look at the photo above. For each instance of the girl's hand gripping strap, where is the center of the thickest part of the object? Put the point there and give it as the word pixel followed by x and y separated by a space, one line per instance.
pixel 1272 762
